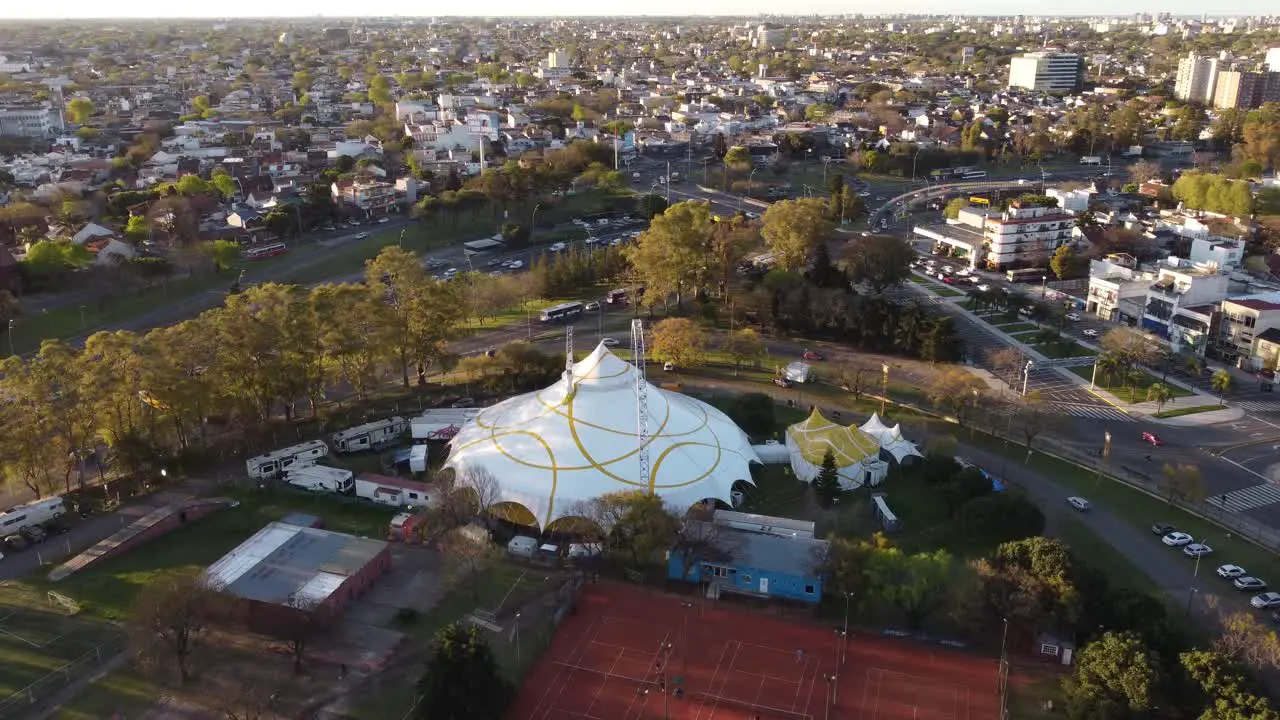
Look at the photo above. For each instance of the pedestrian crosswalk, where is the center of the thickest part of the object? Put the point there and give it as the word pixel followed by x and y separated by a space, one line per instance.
pixel 1246 498
pixel 1098 412
pixel 1258 405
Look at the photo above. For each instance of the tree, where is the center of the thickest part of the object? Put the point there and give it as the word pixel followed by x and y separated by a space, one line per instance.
pixel 462 679
pixel 737 159
pixel 1144 170
pixel 914 584
pixel 1221 382
pixel 1159 393
pixel 1116 676
pixel 652 204
pixel 1033 416
pixel 170 618
pixel 189 185
pixel 419 314
pixel 1064 262
pixel 742 345
pixel 953 391
pixel 1030 582
pixel 80 109
pixel 671 256
pixel 468 554
pixel 224 253
pixel 882 261
pixel 754 413
pixel 138 228
pixel 792 229
pixel 953 208
pixel 680 341
pixel 827 483
pixel 636 524
pixel 224 184
pixel 1248 641
pixel 1227 692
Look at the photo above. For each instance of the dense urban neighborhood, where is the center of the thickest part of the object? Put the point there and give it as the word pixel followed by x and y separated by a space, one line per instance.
pixel 762 368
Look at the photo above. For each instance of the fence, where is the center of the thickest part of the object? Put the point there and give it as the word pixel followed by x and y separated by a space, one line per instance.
pixel 47 686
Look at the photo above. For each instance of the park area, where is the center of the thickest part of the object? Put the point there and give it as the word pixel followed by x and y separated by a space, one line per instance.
pixel 630 653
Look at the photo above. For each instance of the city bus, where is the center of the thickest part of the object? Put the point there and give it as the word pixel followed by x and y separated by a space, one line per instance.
pixel 257 252
pixel 561 311
pixel 974 175
pixel 1026 275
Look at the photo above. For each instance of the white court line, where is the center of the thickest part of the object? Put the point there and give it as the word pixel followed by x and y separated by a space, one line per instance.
pixel 1242 467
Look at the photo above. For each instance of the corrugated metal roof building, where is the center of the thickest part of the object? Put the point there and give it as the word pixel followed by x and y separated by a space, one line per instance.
pixel 290 568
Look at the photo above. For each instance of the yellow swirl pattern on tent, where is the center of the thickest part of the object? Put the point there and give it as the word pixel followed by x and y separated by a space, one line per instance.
pixel 848 444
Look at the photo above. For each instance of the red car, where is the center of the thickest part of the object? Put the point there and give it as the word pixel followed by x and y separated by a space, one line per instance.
pixel 811 355
pixel 949 280
pixel 1152 438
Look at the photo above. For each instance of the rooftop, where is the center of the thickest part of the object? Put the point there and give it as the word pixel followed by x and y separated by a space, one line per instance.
pixel 770 551
pixel 288 564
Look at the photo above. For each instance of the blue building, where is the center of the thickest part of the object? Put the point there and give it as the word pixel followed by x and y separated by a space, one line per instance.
pixel 753 555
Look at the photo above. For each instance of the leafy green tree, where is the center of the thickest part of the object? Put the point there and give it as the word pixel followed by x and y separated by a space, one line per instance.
pixel 953 208
pixel 1227 692
pixel 1116 676
pixel 1030 582
pixel 224 253
pixel 637 525
pixel 138 228
pixel 792 229
pixel 818 112
pixel 1064 262
pixel 737 159
pixel 680 341
pixel 671 256
pixel 914 584
pixel 1221 383
pixel 881 261
pixel 744 345
pixel 1159 393
pixel 192 185
pixel 80 109
pixel 224 183
pixel 421 314
pixel 827 483
pixel 462 679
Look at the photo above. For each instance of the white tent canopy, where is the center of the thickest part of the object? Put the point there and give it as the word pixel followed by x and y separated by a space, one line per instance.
pixel 856 453
pixel 890 439
pixel 553 449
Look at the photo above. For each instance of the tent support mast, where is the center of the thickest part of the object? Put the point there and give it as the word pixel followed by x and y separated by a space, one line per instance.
pixel 642 402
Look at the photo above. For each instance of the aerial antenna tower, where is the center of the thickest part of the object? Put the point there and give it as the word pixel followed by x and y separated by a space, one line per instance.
pixel 642 402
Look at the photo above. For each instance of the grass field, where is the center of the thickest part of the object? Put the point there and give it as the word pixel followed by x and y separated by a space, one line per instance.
pixel 37 639
pixel 1179 412
pixel 1015 327
pixel 1130 393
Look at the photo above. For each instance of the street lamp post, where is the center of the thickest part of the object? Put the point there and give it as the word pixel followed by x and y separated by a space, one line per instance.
pixel 914 157
pixel 11 352
pixel 1044 286
pixel 517 631
pixel 845 654
pixel 533 222
pixel 1004 638
pixel 750 179
pixel 1026 373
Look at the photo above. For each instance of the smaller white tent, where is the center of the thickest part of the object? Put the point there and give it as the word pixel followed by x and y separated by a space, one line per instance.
pixel 890 439
pixel 856 453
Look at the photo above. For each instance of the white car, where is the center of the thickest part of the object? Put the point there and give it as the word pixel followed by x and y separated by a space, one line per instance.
pixel 557 247
pixel 1266 600
pixel 1078 503
pixel 865 193
pixel 1089 332
pixel 383 221
pixel 1231 571
pixel 1177 539
pixel 984 287
pixel 516 264
pixel 362 236
pixel 1249 583
pixel 1197 550
pixel 964 271
pixel 609 342
pixel 1073 317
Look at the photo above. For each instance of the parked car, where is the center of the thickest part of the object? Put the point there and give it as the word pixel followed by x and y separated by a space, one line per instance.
pixel 1249 583
pixel 949 280
pixel 781 381
pixel 811 355
pixel 1162 529
pixel 1177 539
pixel 33 534
pixel 362 236
pixel 1078 503
pixel 668 366
pixel 592 306
pixel 609 342
pixel 557 247
pixel 57 526
pixel 384 220
pixel 1073 317
pixel 1231 571
pixel 1266 600
pixel 1197 550
pixel 465 402
pixel 1089 332
pixel 14 542
pixel 984 287
pixel 1152 438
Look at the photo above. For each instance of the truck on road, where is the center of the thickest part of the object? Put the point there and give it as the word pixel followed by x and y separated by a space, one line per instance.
pixel 1091 160
pixel 320 478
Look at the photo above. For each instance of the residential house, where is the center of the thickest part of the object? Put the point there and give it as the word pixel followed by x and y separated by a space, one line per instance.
pixel 1244 322
pixel 369 196
pixel 1182 304
pixel 1024 235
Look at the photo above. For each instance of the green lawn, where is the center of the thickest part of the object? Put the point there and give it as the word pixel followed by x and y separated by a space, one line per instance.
pixel 1099 553
pixel 946 291
pixel 1012 328
pixel 1063 350
pixel 1128 393
pixel 123 691
pixel 1173 412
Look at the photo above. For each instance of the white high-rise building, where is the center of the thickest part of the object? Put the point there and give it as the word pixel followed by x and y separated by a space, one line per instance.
pixel 1047 71
pixel 557 59
pixel 1273 59
pixel 1197 78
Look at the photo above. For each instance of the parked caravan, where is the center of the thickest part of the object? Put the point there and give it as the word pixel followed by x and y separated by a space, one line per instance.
pixel 523 546
pixel 442 423
pixel 386 490
pixel 418 458
pixel 320 478
pixel 370 436
pixel 276 463
pixel 31 514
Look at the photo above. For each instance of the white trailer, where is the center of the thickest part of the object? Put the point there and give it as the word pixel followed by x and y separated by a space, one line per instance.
pixel 797 372
pixel 276 463
pixel 370 436
pixel 441 424
pixel 37 512
pixel 394 491
pixel 1091 160
pixel 320 478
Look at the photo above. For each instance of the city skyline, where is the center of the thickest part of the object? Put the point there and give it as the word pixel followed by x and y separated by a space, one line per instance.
pixel 292 9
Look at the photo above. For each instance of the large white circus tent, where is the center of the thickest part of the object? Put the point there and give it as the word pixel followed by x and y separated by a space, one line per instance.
pixel 555 448
pixel 856 453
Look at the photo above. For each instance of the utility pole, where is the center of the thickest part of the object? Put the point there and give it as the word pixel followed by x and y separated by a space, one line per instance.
pixel 668 182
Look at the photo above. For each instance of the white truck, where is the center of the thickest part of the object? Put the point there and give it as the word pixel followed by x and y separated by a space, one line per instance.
pixel 1091 160
pixel 797 372
pixel 393 491
pixel 370 436
pixel 321 478
pixel 441 423
pixel 36 512
pixel 276 463
pixel 1133 151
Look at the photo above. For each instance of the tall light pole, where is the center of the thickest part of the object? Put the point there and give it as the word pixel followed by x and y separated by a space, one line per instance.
pixel 1044 285
pixel 517 630
pixel 533 221
pixel 750 178
pixel 915 157
pixel 1004 638
pixel 1026 373
pixel 11 352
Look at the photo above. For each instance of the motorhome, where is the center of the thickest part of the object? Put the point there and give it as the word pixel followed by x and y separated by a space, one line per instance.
pixel 442 423
pixel 397 492
pixel 370 436
pixel 37 512
pixel 276 463
pixel 320 478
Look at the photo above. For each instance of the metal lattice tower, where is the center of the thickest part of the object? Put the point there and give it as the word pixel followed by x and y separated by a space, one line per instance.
pixel 568 349
pixel 642 402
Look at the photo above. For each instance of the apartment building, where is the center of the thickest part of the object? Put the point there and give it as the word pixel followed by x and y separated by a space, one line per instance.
pixel 370 196
pixel 1197 78
pixel 29 122
pixel 1117 289
pixel 1024 235
pixel 1245 321
pixel 1246 89
pixel 1047 71
pixel 1182 305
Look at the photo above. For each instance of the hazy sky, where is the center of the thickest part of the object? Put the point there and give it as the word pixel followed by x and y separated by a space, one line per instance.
pixel 14 9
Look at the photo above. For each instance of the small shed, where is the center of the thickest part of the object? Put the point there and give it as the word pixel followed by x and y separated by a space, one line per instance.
pixel 748 562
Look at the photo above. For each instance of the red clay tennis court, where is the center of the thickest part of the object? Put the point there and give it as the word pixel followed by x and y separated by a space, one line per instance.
pixel 630 653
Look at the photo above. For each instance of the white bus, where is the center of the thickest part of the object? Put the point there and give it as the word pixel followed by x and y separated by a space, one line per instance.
pixel 561 311
pixel 258 252
pixel 974 175
pixel 276 463
pixel 37 512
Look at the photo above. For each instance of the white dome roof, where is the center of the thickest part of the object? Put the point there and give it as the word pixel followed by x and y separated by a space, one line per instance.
pixel 577 440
